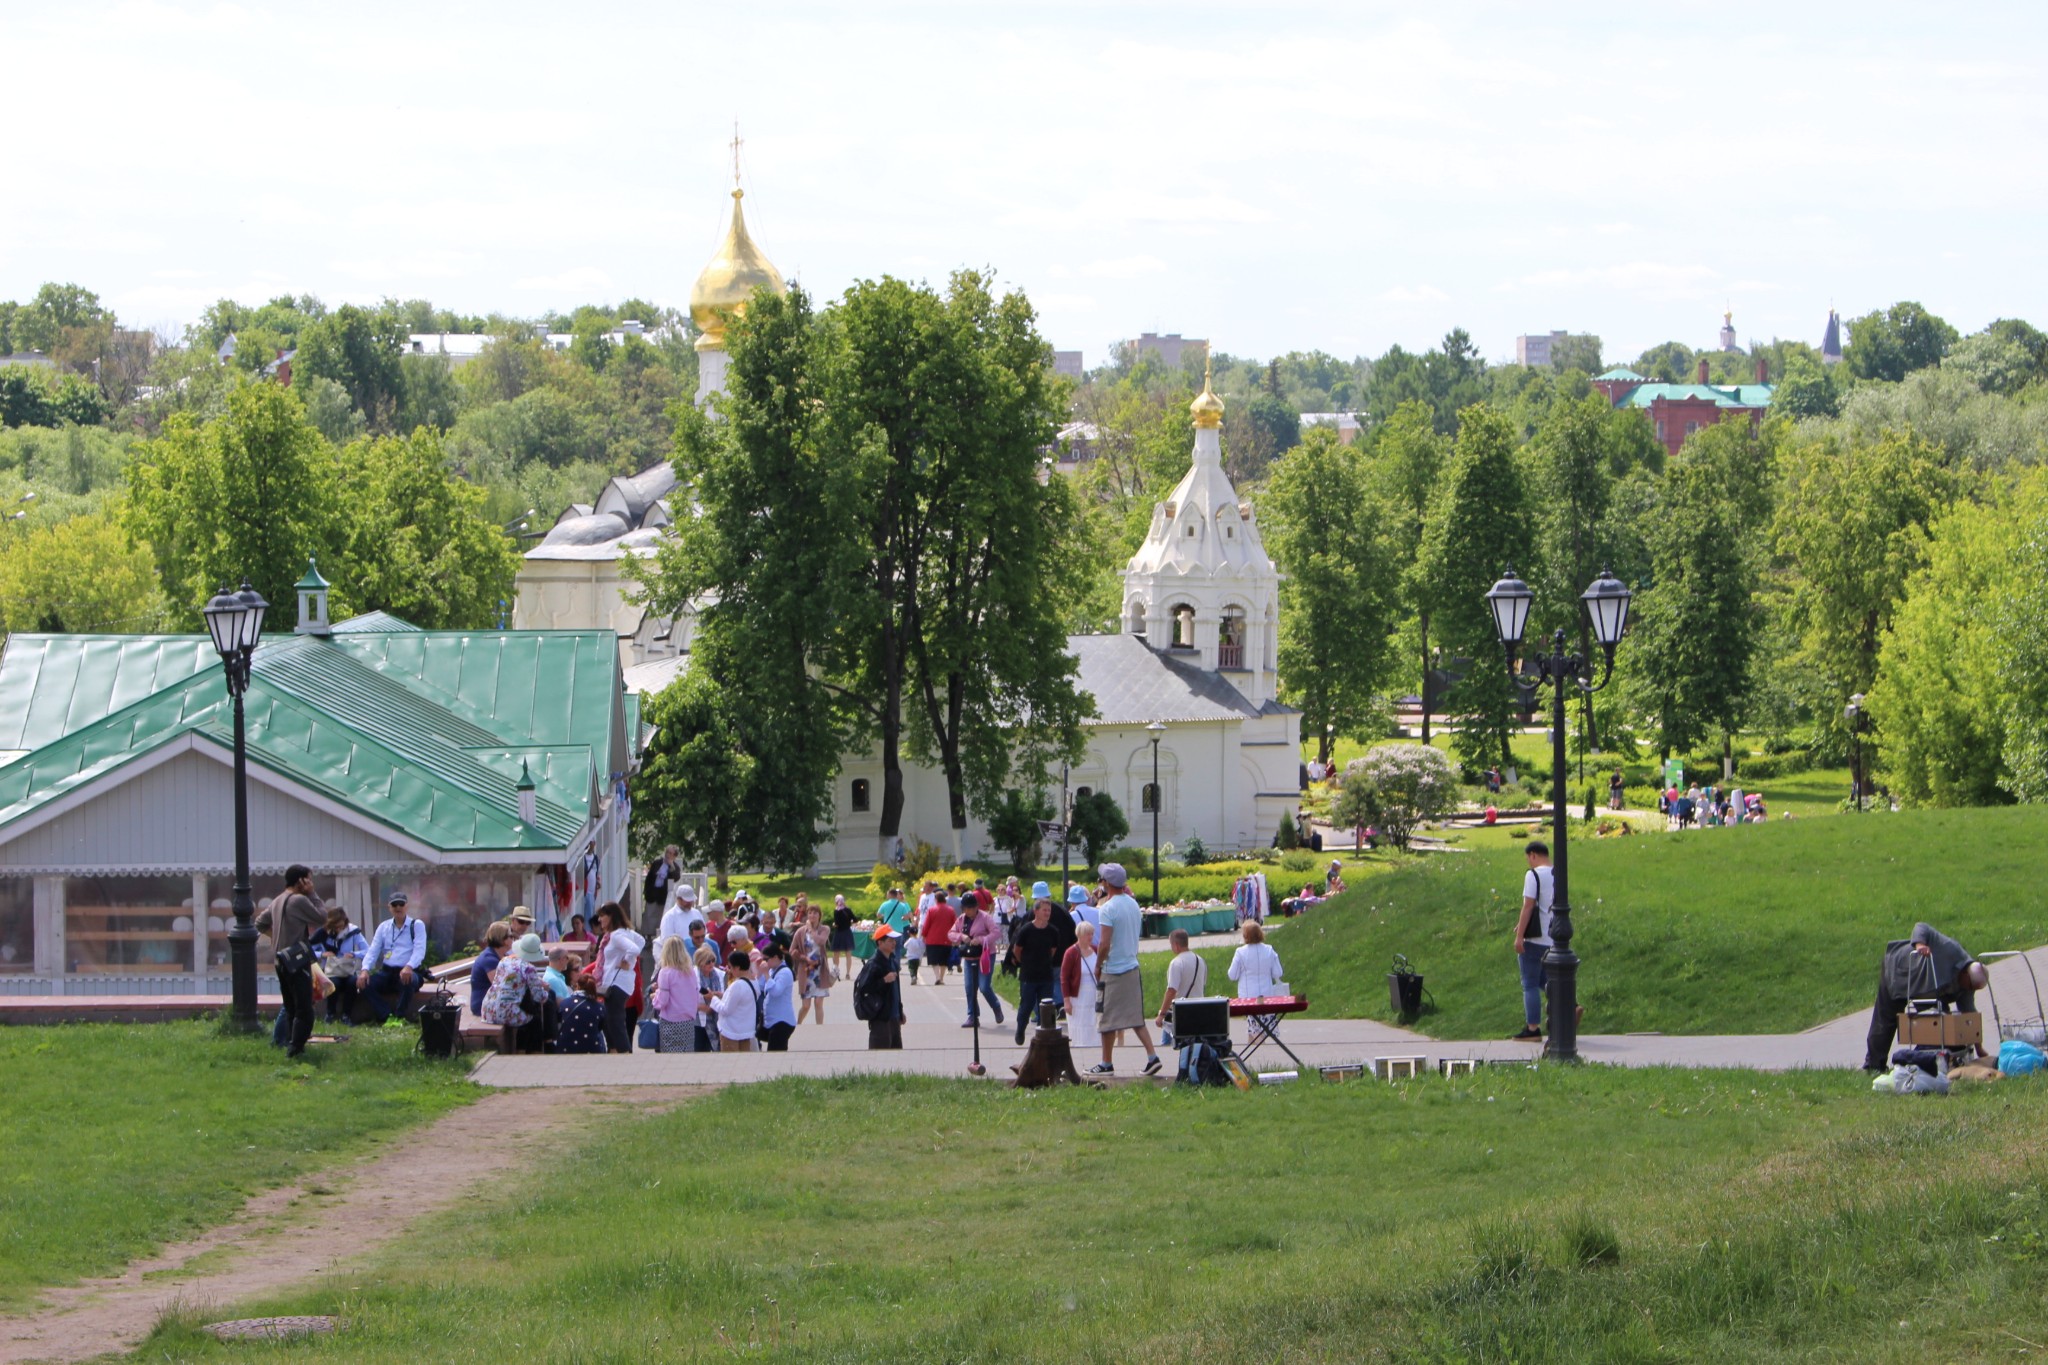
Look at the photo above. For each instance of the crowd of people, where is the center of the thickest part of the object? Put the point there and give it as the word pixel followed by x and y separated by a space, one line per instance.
pixel 739 975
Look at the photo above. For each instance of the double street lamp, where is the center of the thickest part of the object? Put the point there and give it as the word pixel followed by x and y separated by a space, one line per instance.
pixel 235 620
pixel 1607 607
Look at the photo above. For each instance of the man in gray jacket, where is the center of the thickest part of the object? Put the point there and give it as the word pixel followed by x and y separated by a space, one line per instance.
pixel 1928 966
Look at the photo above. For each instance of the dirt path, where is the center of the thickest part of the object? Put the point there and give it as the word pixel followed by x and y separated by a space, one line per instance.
pixel 416 1175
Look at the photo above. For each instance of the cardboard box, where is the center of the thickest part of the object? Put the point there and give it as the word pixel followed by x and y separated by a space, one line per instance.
pixel 1941 1030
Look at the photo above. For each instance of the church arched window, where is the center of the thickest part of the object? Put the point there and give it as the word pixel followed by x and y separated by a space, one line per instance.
pixel 1184 626
pixel 1148 798
pixel 860 793
pixel 1230 639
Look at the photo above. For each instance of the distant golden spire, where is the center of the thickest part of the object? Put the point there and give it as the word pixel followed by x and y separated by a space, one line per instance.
pixel 735 272
pixel 1207 409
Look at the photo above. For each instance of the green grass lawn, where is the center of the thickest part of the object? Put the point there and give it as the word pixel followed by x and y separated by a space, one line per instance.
pixel 1518 1215
pixel 1757 929
pixel 120 1138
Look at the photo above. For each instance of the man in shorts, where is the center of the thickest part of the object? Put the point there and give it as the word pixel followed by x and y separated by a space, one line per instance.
pixel 1122 998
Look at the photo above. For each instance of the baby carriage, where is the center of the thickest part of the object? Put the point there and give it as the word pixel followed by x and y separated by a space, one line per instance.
pixel 2030 1029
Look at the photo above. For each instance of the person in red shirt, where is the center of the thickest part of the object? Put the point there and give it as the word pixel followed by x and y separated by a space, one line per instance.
pixel 936 930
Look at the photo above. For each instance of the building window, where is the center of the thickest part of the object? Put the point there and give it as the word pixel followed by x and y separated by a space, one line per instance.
pixel 1691 427
pixel 1660 428
pixel 1148 797
pixel 1191 528
pixel 129 925
pixel 1184 627
pixel 860 793
pixel 1230 639
pixel 457 907
pixel 1083 793
pixel 17 924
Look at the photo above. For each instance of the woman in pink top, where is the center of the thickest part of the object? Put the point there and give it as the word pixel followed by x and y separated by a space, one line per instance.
pixel 976 935
pixel 675 998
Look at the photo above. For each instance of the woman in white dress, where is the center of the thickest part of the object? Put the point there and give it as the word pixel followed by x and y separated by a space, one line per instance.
pixel 1255 967
pixel 1078 973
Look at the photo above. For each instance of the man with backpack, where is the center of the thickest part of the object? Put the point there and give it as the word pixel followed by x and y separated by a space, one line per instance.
pixel 878 994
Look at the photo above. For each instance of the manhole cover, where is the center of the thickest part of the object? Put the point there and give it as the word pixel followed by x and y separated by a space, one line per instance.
pixel 270 1329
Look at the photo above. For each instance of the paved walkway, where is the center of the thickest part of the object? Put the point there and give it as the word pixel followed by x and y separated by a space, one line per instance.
pixel 935 1044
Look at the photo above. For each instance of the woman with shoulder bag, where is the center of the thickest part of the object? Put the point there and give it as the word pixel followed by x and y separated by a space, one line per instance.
pixel 777 993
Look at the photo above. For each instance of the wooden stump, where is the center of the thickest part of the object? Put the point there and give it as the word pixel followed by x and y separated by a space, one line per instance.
pixel 1050 1061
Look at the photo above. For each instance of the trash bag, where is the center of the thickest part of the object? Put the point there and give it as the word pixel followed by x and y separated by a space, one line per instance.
pixel 1911 1080
pixel 2016 1058
pixel 1883 1083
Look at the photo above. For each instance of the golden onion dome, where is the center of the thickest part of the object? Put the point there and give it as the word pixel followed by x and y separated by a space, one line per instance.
pixel 735 272
pixel 1207 409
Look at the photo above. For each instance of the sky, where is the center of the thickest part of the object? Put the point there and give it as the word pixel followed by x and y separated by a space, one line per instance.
pixel 1270 176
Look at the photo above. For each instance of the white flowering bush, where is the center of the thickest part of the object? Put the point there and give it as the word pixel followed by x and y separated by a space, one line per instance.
pixel 1396 787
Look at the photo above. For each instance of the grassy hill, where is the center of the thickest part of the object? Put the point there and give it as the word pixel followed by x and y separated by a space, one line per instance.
pixel 1516 1215
pixel 1758 929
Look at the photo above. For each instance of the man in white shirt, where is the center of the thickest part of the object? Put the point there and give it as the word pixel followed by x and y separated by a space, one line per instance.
pixel 676 920
pixel 393 962
pixel 1187 976
pixel 1532 938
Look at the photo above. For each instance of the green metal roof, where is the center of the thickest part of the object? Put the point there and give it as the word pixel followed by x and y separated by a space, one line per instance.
pixel 372 623
pixel 1623 372
pixel 1720 395
pixel 312 582
pixel 422 732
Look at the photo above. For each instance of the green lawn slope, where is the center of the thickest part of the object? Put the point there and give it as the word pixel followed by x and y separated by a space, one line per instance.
pixel 121 1138
pixel 1515 1215
pixel 1756 929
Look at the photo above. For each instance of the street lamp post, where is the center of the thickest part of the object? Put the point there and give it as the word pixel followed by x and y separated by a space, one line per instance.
pixel 1156 729
pixel 1854 714
pixel 235 620
pixel 1607 604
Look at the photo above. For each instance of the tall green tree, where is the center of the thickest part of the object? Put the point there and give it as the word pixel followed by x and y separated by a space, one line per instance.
pixel 1849 532
pixel 418 544
pixel 1405 463
pixel 942 403
pixel 1337 602
pixel 1890 345
pixel 251 495
pixel 358 349
pixel 57 308
pixel 1479 524
pixel 1939 700
pixel 82 574
pixel 1695 627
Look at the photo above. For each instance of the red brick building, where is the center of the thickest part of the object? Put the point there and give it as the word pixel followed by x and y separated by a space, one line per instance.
pixel 1678 410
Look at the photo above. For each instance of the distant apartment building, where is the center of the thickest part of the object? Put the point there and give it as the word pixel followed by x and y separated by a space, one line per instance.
pixel 1168 348
pixel 1067 363
pixel 1346 424
pixel 1679 410
pixel 1540 352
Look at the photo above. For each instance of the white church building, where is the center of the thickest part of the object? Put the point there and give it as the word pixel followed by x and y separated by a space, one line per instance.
pixel 1196 650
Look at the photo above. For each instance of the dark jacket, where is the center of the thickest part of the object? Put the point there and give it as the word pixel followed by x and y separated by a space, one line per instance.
pixel 885 997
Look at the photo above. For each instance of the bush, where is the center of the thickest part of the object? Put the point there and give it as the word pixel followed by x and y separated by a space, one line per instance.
pixel 884 876
pixel 1096 824
pixel 1300 860
pixel 1194 853
pixel 1013 827
pixel 1773 766
pixel 1289 836
pixel 1395 787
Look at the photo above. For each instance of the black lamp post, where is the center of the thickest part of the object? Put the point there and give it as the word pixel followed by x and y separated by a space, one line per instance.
pixel 1156 729
pixel 235 620
pixel 1857 718
pixel 1607 604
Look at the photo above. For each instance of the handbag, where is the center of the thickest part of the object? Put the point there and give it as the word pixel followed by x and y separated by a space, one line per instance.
pixel 296 957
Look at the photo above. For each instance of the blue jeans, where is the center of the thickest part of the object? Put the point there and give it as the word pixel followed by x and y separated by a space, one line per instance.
pixel 1029 994
pixel 281 1031
pixel 387 979
pixel 1533 982
pixel 977 982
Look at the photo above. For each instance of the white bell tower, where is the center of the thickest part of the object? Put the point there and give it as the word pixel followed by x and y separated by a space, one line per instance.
pixel 1202 586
